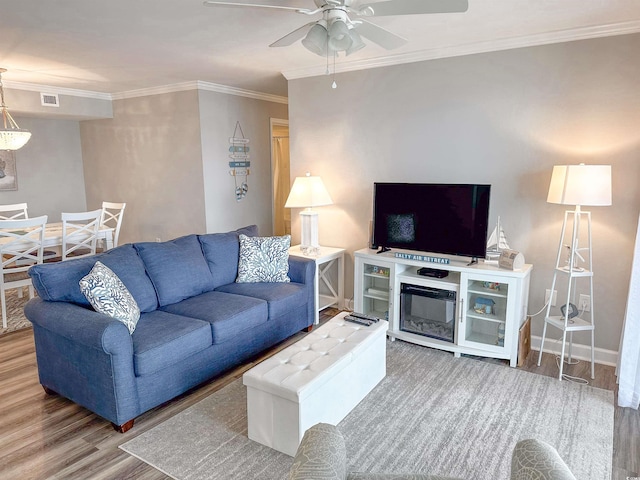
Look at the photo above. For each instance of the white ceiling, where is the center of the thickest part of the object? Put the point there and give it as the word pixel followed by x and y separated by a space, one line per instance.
pixel 114 46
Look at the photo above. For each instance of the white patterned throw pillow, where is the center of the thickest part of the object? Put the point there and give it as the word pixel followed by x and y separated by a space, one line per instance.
pixel 108 295
pixel 263 259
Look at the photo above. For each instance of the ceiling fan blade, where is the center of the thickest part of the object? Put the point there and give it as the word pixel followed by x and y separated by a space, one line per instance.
pixel 412 7
pixel 379 35
pixel 294 36
pixel 264 4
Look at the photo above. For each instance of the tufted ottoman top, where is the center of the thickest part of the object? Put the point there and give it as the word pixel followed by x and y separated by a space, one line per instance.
pixel 300 369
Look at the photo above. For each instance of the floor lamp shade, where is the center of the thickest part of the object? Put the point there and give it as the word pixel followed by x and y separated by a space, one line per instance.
pixel 308 192
pixel 580 185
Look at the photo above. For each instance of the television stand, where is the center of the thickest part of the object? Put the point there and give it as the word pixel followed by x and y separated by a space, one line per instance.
pixel 490 302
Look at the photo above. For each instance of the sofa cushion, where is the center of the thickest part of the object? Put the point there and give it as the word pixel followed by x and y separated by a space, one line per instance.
pixel 177 268
pixel 59 282
pixel 221 251
pixel 229 315
pixel 281 297
pixel 108 295
pixel 263 259
pixel 162 339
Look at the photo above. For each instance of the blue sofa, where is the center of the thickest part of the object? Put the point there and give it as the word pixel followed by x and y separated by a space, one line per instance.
pixel 195 322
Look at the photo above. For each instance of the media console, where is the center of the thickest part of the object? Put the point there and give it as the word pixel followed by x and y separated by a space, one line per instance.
pixel 474 310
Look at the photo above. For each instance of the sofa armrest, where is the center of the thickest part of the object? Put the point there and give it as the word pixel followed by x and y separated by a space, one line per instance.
pixel 536 460
pixel 86 357
pixel 321 455
pixel 80 325
pixel 302 270
pixel 396 476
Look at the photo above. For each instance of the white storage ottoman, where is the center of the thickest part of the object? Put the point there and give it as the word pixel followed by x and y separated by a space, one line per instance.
pixel 321 378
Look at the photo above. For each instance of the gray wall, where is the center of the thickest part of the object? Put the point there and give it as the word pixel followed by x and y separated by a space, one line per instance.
pixel 166 156
pixel 49 169
pixel 148 156
pixel 218 116
pixel 70 107
pixel 502 118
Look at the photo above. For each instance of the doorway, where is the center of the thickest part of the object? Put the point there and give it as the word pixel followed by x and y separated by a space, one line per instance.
pixel 280 177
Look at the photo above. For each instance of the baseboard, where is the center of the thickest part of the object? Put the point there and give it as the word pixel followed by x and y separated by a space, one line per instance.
pixel 579 351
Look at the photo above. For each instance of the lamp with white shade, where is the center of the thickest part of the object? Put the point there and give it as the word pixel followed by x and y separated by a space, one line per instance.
pixel 577 185
pixel 308 192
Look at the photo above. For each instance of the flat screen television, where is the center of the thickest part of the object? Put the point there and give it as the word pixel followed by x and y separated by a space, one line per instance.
pixel 450 219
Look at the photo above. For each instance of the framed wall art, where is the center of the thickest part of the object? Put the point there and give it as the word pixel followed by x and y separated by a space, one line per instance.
pixel 8 173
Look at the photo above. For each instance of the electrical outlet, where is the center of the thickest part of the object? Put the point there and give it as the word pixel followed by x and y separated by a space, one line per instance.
pixel 584 303
pixel 158 239
pixel 554 298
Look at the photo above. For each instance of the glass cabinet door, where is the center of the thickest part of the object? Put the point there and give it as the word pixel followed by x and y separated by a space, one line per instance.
pixel 484 311
pixel 375 289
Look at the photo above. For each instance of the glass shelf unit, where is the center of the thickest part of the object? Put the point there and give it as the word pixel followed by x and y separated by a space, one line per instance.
pixel 487 308
pixel 376 290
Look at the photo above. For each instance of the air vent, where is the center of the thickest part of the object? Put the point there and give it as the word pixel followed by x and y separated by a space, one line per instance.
pixel 49 100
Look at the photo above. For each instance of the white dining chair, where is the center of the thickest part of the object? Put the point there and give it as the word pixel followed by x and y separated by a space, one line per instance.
pixel 112 214
pixel 80 234
pixel 14 211
pixel 18 211
pixel 20 248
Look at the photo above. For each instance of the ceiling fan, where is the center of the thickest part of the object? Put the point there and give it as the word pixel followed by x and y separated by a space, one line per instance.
pixel 336 31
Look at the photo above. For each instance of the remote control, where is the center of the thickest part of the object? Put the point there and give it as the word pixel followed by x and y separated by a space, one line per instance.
pixel 364 317
pixel 359 321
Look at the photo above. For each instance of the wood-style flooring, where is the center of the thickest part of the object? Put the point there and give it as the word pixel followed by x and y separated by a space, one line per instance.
pixel 45 436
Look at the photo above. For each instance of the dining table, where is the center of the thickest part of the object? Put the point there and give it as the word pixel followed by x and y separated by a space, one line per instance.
pixel 53 235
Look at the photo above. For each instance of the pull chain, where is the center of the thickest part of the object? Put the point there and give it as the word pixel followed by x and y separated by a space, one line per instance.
pixel 327 70
pixel 334 85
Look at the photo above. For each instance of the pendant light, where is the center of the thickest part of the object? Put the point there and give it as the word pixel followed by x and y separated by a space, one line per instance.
pixel 12 137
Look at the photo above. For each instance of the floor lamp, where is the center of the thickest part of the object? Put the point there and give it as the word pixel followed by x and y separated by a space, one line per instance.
pixel 308 192
pixel 578 185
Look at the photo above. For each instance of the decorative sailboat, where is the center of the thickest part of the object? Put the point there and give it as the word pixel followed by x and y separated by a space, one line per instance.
pixel 497 242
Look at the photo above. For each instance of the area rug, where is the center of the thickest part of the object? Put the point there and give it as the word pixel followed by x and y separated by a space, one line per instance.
pixel 15 311
pixel 433 413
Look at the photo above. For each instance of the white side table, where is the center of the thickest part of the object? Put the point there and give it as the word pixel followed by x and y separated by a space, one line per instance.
pixel 329 290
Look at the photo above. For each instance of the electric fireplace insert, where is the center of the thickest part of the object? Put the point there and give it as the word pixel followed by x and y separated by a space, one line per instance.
pixel 428 311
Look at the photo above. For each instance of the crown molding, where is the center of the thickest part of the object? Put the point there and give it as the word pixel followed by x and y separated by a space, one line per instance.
pixel 200 85
pixel 143 92
pixel 214 87
pixel 34 87
pixel 561 36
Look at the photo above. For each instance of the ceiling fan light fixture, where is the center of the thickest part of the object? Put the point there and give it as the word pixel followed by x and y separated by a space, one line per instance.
pixel 357 44
pixel 316 39
pixel 335 32
pixel 339 37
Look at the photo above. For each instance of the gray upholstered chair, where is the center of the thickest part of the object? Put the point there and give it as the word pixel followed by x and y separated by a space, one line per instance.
pixel 322 456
